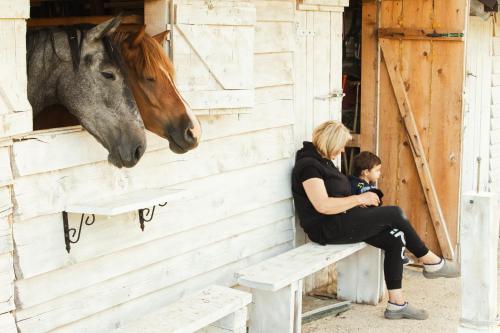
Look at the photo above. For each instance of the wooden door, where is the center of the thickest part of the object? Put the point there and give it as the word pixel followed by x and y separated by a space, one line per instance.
pixel 318 72
pixel 213 54
pixel 430 70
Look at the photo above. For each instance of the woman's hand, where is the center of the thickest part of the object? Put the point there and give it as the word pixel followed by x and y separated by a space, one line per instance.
pixel 368 199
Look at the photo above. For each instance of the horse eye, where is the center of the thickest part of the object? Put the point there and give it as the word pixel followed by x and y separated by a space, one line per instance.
pixel 150 79
pixel 109 76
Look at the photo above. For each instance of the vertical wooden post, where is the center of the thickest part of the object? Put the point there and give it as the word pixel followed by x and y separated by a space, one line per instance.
pixel 479 246
pixel 275 311
pixel 360 278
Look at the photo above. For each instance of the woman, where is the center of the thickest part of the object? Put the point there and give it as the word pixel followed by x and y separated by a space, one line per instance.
pixel 329 214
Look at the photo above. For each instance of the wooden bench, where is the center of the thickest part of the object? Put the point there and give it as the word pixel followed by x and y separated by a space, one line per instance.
pixel 219 309
pixel 276 283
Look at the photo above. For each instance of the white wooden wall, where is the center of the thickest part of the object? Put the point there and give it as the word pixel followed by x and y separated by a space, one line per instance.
pixel 15 117
pixel 240 213
pixel 476 125
pixel 495 112
pixel 318 73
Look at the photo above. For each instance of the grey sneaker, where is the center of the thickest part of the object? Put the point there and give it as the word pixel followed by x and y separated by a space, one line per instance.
pixel 449 270
pixel 408 312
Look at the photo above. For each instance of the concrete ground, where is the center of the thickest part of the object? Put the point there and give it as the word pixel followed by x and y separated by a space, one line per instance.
pixel 440 297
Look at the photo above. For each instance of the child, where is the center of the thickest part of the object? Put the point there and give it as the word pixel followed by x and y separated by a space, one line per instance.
pixel 365 172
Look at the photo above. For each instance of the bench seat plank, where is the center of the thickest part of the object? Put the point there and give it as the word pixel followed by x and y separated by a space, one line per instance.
pixel 191 313
pixel 286 268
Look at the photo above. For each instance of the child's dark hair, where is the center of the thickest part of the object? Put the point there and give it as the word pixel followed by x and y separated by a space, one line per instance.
pixel 364 161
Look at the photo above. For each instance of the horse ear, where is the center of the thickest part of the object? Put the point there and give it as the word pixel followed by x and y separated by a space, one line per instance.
pixel 104 29
pixel 135 39
pixel 161 37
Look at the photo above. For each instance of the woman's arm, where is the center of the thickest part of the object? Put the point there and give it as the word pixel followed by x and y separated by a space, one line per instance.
pixel 316 192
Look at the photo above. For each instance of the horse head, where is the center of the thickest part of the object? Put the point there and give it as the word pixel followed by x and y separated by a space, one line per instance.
pixel 82 69
pixel 151 75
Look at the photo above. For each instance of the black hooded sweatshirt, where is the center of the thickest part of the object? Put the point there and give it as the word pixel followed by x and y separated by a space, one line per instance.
pixel 310 164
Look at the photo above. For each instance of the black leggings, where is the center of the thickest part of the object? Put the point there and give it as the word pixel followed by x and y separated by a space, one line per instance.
pixel 384 227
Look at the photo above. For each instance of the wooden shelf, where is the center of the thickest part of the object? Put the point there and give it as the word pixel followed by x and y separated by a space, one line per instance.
pixel 127 202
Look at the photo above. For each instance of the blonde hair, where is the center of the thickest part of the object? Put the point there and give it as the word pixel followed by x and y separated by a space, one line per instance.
pixel 330 138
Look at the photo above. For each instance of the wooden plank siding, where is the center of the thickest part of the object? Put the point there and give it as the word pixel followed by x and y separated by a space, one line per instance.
pixel 494 146
pixel 240 210
pixel 15 118
pixel 15 110
pixel 477 108
pixel 432 73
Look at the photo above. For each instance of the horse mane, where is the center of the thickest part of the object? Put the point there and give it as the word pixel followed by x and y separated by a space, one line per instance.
pixel 150 54
pixel 75 35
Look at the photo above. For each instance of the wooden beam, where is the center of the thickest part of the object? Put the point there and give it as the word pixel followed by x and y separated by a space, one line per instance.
pixel 418 151
pixel 57 21
pixel 419 34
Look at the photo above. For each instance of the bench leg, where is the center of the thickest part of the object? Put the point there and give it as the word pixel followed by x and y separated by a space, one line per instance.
pixel 278 312
pixel 360 277
pixel 236 322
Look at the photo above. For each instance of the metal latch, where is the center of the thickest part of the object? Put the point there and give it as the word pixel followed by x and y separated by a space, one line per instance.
pixel 333 94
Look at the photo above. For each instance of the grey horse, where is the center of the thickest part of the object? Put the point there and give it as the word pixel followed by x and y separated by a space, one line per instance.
pixel 81 69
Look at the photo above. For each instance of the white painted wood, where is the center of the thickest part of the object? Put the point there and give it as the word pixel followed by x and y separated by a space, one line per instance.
pixel 213 52
pixel 14 9
pixel 360 277
pixel 63 281
pixel 278 272
pixel 7 323
pixel 321 61
pixel 300 86
pixel 273 69
pixel 105 321
pixel 47 193
pixel 496 46
pixel 273 37
pixel 128 202
pixel 477 100
pixel 268 95
pixel 297 309
pixel 273 311
pixel 319 8
pixel 479 271
pixel 336 28
pixel 495 81
pixel 331 3
pixel 192 312
pixel 5 168
pixel 219 99
pixel 6 283
pixel 275 11
pixel 6 241
pixel 232 13
pixel 30 153
pixel 40 242
pixel 109 293
pixel 15 123
pixel 496 64
pixel 227 51
pixel 233 322
pixel 5 201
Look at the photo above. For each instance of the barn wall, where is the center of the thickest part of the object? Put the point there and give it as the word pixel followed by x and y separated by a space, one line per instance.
pixel 240 210
pixel 15 117
pixel 494 164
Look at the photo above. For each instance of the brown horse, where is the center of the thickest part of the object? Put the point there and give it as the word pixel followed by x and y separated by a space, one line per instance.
pixel 151 79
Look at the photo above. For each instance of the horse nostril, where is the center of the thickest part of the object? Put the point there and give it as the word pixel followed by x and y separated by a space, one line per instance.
pixel 138 152
pixel 189 136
